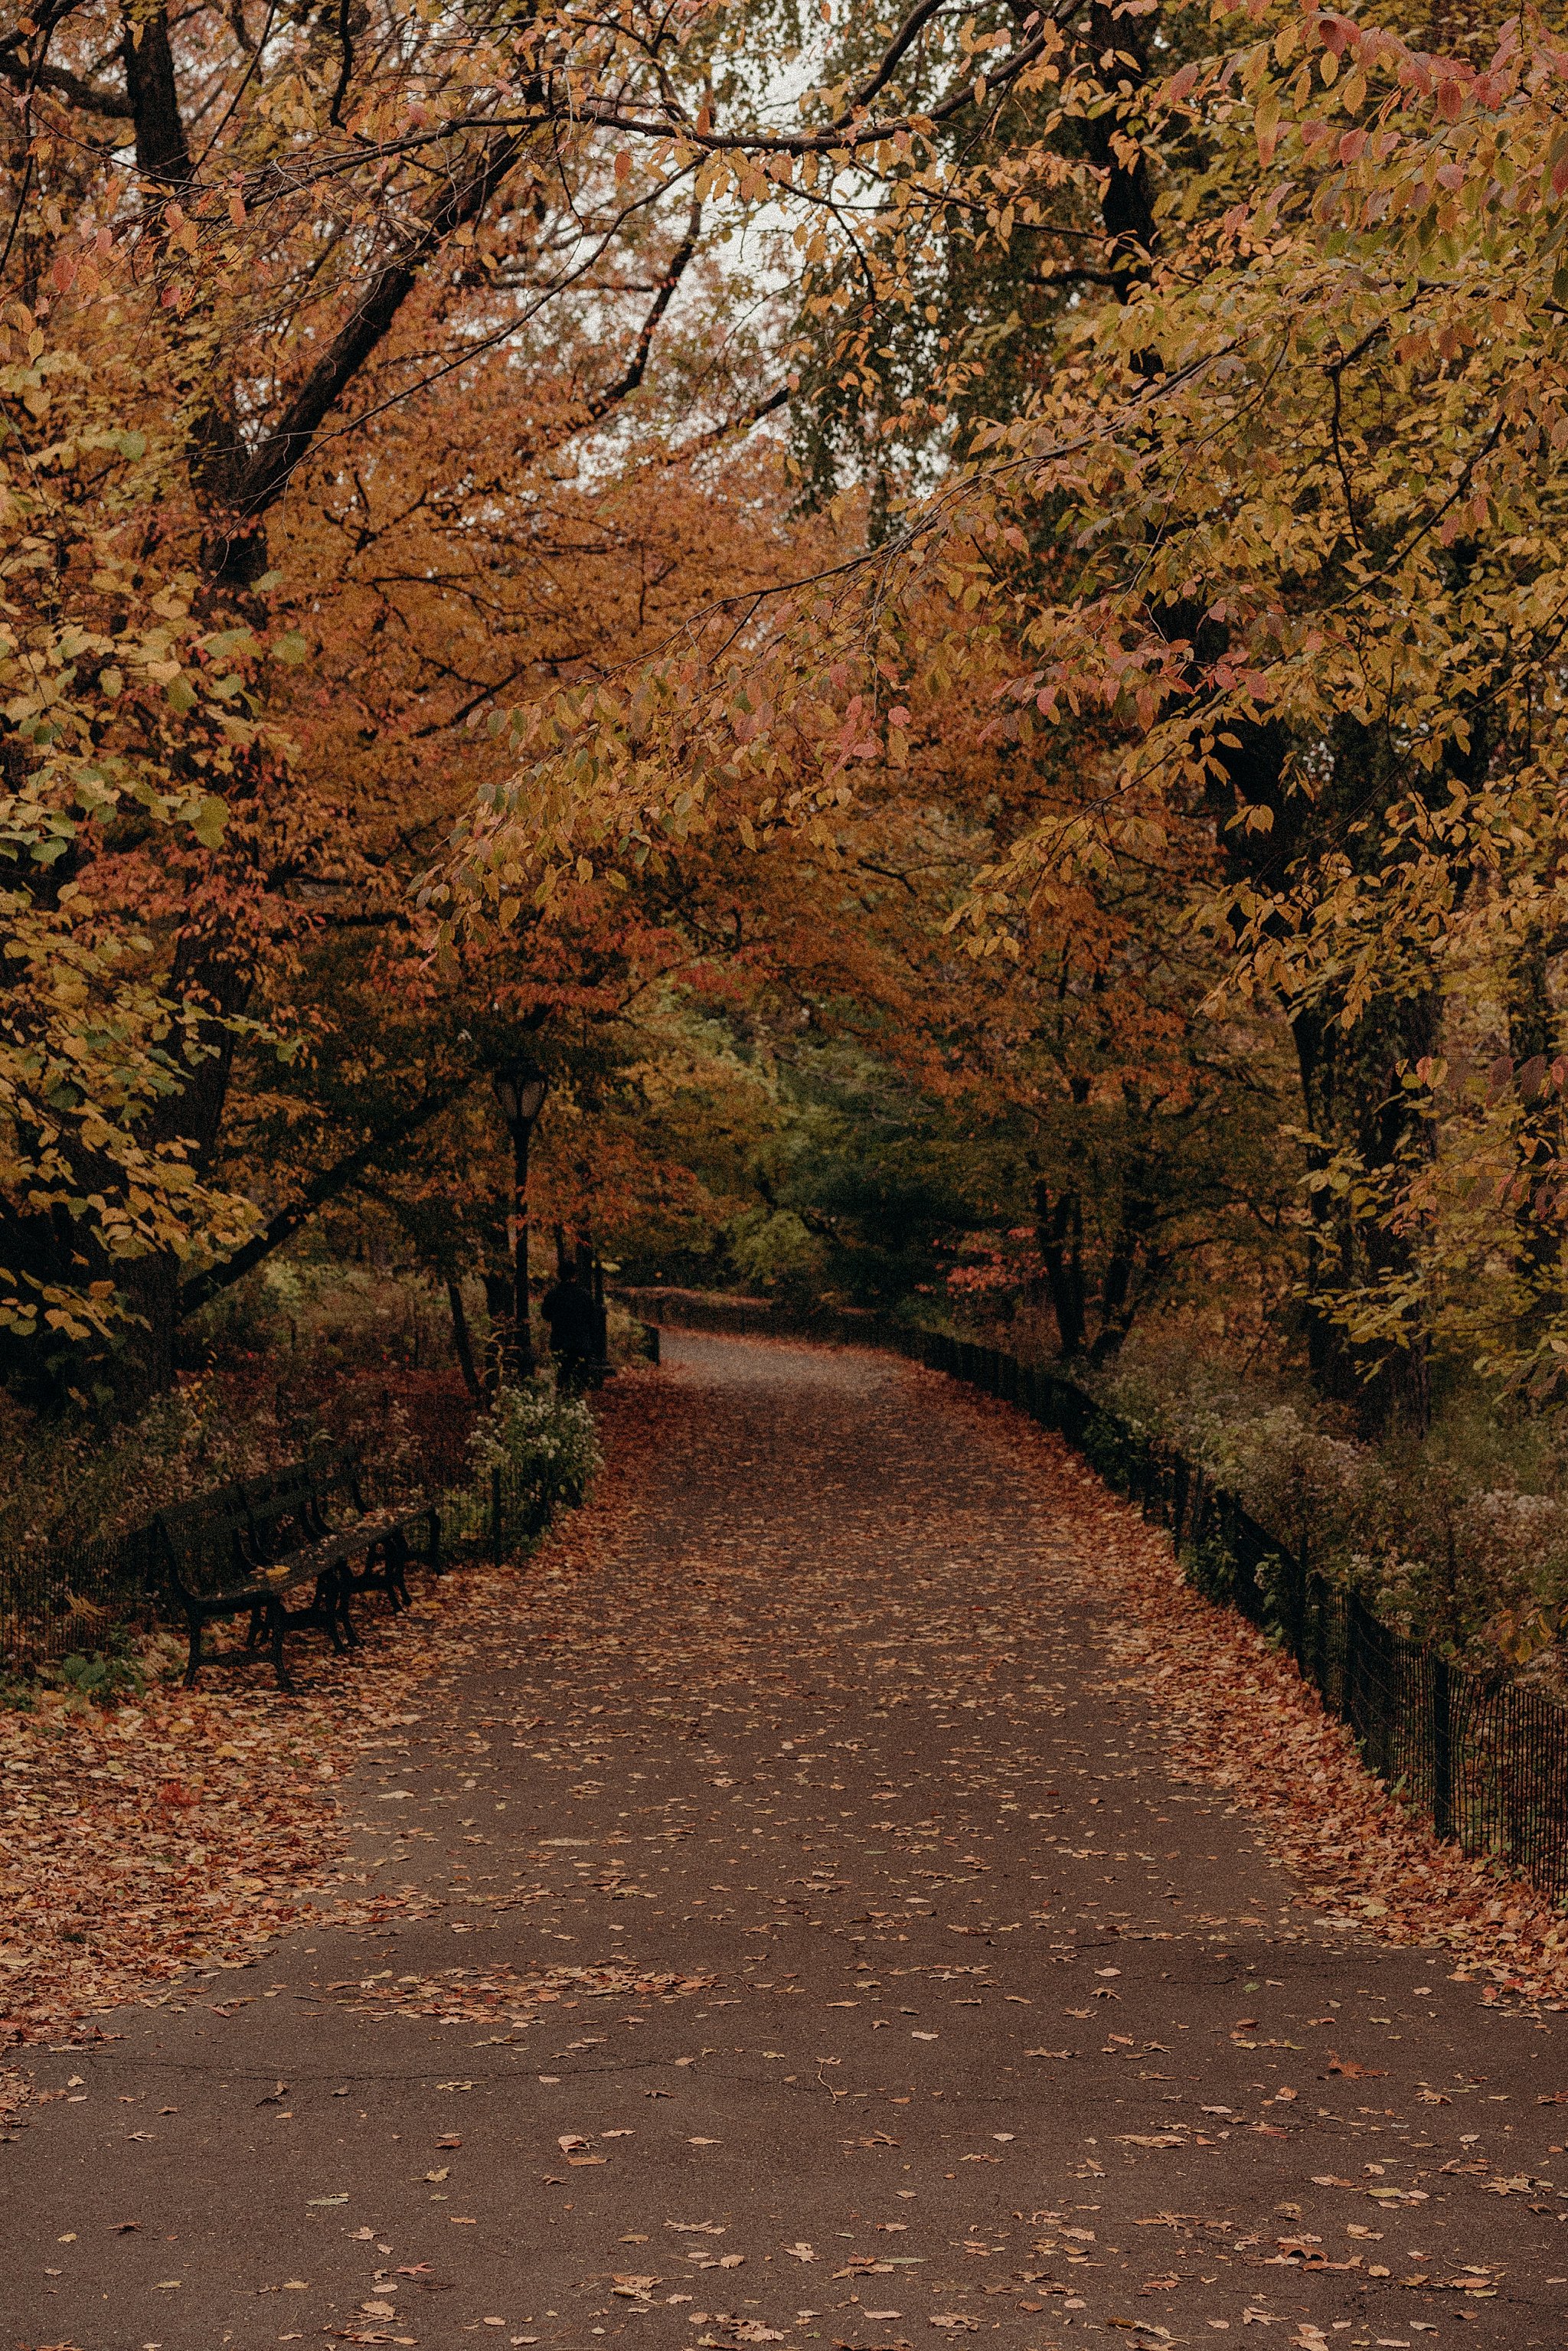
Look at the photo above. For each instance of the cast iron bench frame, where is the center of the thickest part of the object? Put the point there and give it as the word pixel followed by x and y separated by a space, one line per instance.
pixel 239 1551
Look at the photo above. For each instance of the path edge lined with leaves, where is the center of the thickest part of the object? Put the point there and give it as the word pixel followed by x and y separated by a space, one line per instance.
pixel 1242 1718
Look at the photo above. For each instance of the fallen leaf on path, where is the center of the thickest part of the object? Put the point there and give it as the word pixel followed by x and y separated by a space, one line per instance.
pixel 1237 1714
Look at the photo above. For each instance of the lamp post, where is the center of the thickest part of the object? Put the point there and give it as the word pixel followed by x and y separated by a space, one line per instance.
pixel 519 1089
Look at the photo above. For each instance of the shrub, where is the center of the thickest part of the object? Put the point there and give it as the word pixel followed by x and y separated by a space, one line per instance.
pixel 1111 1444
pixel 102 1675
pixel 1458 1536
pixel 542 1439
pixel 1210 1568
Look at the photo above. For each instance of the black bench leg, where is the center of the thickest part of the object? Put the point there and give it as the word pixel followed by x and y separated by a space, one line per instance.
pixel 350 1639
pixel 276 1620
pixel 397 1571
pixel 329 1606
pixel 381 1571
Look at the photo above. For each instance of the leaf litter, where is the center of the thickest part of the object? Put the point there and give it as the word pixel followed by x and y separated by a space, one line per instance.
pixel 176 1833
pixel 736 1651
pixel 1239 1717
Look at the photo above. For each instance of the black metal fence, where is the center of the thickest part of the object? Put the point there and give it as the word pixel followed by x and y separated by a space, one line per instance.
pixel 65 1600
pixel 1484 1757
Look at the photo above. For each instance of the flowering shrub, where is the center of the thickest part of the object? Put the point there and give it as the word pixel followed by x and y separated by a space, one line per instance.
pixel 1277 1457
pixel 543 1439
pixel 1458 1537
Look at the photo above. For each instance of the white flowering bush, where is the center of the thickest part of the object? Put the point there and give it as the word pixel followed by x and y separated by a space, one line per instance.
pixel 1296 1476
pixel 1459 1536
pixel 543 1440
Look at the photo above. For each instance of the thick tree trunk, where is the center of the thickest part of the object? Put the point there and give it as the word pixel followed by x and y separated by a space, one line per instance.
pixel 1059 1230
pixel 1127 202
pixel 1351 1095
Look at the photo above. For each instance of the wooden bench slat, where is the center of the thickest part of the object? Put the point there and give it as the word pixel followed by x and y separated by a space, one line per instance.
pixel 242 1548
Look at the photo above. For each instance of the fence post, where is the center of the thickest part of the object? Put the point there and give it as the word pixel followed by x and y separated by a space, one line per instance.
pixel 495 1516
pixel 1299 1571
pixel 1319 1604
pixel 1442 1748
pixel 1350 1708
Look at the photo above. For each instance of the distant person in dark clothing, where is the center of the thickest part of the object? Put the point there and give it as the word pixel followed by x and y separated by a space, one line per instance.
pixel 573 1320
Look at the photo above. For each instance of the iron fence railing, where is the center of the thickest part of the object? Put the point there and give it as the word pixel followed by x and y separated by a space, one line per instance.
pixel 1483 1757
pixel 67 1598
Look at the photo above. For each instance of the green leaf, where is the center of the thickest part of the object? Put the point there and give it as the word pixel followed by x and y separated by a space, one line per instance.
pixel 291 648
pixel 211 819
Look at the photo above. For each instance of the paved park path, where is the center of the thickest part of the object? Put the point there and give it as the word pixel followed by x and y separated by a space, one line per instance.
pixel 894 1989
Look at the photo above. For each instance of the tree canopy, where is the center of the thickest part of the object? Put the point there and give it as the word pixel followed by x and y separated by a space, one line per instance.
pixel 954 621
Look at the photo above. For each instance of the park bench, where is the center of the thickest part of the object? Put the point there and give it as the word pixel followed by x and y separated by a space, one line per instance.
pixel 243 1550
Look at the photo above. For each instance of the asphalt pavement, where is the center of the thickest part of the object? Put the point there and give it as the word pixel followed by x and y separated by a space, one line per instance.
pixel 786 1940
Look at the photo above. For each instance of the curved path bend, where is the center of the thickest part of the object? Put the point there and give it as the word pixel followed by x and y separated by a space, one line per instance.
pixel 895 1989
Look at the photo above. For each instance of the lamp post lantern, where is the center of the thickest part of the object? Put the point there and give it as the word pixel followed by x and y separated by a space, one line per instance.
pixel 519 1089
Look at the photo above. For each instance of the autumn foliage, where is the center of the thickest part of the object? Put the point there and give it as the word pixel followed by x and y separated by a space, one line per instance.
pixel 993 582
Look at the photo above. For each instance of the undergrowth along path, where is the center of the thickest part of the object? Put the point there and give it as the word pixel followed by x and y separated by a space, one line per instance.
pixel 805 1915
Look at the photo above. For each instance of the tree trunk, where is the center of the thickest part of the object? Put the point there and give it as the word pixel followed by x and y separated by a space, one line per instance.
pixel 461 1345
pixel 1059 1228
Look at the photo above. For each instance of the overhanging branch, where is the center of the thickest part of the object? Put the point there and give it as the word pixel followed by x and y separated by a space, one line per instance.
pixel 326 1185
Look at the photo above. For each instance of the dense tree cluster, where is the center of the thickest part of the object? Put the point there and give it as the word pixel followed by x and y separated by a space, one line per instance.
pixel 955 624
